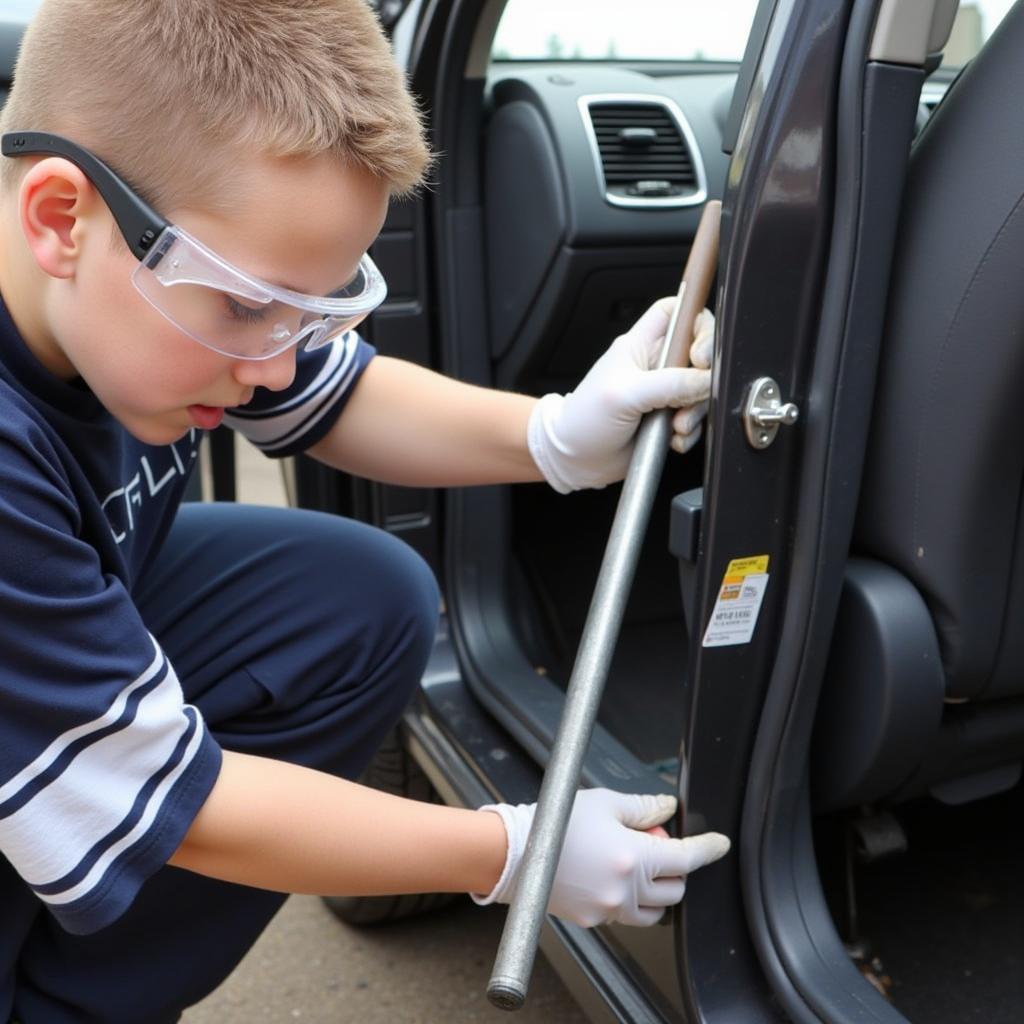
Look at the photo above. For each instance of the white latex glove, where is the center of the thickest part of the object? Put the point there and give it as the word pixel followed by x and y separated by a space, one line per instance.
pixel 585 438
pixel 610 870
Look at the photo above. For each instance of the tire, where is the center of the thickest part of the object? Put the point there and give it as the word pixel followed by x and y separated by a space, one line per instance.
pixel 392 770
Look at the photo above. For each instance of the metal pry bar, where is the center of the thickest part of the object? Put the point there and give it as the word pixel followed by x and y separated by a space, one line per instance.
pixel 518 947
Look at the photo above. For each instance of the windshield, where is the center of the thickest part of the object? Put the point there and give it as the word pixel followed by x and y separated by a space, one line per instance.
pixel 696 30
pixel 610 30
pixel 18 10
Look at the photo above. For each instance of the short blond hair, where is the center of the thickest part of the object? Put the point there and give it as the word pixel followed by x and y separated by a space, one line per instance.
pixel 172 93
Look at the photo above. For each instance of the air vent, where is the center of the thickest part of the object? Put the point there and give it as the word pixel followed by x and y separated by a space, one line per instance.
pixel 644 150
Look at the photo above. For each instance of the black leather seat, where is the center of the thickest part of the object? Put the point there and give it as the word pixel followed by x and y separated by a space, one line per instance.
pixel 926 679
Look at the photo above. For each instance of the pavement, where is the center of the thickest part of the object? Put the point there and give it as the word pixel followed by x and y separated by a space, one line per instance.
pixel 309 966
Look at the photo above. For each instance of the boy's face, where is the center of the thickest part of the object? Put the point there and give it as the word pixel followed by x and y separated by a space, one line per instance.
pixel 299 223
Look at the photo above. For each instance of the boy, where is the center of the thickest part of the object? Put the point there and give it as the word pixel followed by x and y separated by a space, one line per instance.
pixel 188 193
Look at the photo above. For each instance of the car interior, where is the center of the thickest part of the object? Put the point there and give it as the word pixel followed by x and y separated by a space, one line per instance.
pixel 591 176
pixel 571 191
pixel 571 264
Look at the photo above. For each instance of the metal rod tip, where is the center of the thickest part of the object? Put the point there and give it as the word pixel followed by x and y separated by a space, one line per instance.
pixel 506 994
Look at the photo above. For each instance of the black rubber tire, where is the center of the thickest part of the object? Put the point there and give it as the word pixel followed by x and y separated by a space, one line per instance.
pixel 393 771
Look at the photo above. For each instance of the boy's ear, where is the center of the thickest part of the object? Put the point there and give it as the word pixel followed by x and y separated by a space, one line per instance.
pixel 56 200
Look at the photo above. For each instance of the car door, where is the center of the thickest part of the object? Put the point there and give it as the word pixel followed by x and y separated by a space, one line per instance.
pixel 816 183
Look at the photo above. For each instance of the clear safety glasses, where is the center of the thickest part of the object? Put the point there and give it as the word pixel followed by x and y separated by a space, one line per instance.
pixel 230 311
pixel 203 295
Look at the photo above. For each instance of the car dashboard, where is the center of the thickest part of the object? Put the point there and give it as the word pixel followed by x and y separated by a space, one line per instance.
pixel 594 180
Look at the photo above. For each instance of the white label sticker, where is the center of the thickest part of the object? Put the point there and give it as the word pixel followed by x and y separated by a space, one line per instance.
pixel 739 602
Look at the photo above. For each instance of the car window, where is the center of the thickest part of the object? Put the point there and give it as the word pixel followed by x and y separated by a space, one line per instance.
pixel 676 30
pixel 654 30
pixel 599 30
pixel 18 10
pixel 975 22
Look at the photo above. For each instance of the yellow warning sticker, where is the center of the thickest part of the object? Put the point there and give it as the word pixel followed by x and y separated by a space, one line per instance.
pixel 747 566
pixel 739 602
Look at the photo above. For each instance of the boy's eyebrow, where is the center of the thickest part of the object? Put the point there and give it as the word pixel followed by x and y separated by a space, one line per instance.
pixel 302 291
pixel 288 287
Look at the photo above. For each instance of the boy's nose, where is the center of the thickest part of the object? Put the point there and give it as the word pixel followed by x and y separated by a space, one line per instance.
pixel 275 373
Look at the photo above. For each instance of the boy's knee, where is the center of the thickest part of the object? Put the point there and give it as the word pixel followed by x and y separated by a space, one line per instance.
pixel 356 617
pixel 413 601
pixel 425 600
pixel 397 619
pixel 398 600
pixel 405 586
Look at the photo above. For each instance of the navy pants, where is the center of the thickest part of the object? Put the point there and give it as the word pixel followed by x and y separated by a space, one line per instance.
pixel 299 636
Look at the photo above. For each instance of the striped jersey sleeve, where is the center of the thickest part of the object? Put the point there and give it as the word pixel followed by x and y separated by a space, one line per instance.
pixel 287 422
pixel 103 766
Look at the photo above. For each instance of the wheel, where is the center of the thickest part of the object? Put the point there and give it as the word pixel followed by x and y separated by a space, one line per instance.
pixel 392 770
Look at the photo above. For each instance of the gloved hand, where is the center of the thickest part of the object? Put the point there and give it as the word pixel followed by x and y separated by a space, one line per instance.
pixel 585 438
pixel 610 870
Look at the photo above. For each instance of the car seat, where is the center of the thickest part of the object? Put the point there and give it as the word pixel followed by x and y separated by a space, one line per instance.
pixel 924 689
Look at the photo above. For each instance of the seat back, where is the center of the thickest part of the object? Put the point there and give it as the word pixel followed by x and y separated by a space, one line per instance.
pixel 942 495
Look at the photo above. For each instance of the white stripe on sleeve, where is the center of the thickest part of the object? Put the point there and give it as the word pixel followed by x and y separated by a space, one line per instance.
pixel 62 742
pixel 49 836
pixel 275 427
pixel 141 827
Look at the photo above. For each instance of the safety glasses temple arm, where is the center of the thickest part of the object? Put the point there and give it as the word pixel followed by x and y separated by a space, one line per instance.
pixel 138 221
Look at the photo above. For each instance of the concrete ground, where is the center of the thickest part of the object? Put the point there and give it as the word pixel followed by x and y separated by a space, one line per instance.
pixel 308 966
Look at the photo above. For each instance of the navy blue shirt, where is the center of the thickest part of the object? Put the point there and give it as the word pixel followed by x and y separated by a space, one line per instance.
pixel 102 764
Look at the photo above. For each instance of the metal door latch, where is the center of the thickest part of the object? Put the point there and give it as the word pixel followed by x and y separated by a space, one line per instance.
pixel 764 412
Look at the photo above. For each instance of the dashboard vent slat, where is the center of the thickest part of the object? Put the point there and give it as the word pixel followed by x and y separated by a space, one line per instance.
pixel 645 151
